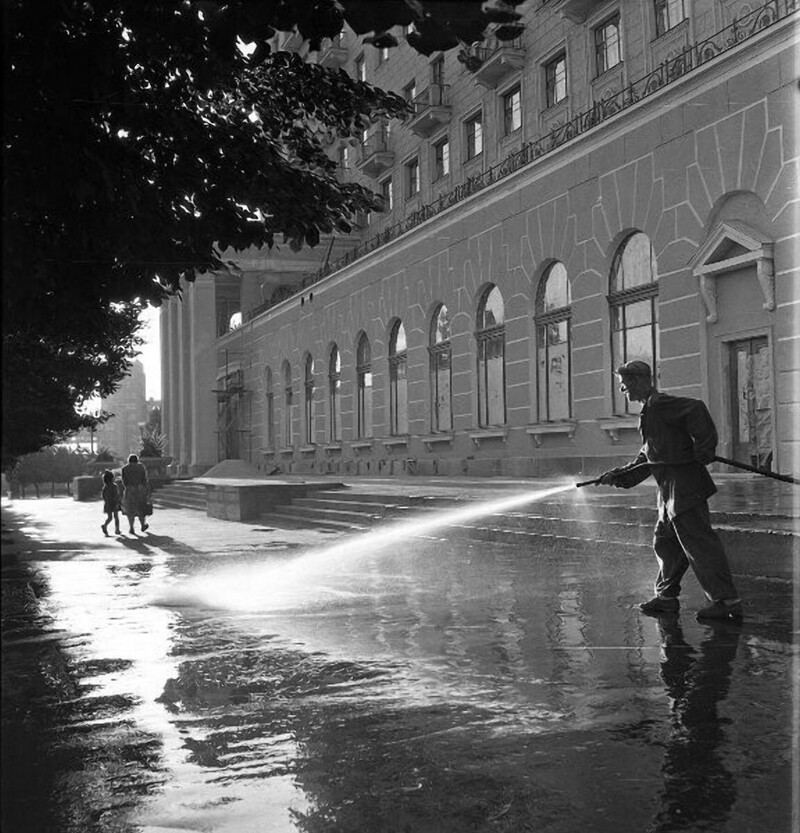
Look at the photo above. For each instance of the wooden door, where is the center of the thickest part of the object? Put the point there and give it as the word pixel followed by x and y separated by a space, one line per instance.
pixel 751 401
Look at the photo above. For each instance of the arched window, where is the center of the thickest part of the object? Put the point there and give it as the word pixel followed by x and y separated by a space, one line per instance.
pixel 553 361
pixel 491 337
pixel 633 307
pixel 364 378
pixel 288 399
pixel 440 352
pixel 308 390
pixel 270 407
pixel 398 382
pixel 335 395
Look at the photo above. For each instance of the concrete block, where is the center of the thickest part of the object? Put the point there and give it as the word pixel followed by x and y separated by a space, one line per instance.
pixel 708 161
pixel 753 132
pixel 751 84
pixel 770 163
pixel 86 487
pixel 670 163
pixel 698 196
pixel 785 189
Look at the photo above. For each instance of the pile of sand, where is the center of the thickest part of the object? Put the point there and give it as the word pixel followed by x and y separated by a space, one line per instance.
pixel 235 470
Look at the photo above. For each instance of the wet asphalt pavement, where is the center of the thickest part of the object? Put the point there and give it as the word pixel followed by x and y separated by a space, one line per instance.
pixel 210 676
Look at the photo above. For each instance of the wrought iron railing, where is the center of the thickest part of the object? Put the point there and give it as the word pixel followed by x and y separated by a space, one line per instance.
pixel 434 96
pixel 692 57
pixel 485 51
pixel 375 143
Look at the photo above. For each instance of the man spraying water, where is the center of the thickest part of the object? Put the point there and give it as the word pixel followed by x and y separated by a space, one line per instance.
pixel 679 439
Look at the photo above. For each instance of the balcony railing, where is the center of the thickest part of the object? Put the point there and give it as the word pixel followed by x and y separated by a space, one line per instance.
pixel 431 108
pixel 493 61
pixel 376 155
pixel 693 57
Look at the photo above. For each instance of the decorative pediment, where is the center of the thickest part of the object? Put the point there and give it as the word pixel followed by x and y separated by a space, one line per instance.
pixel 730 246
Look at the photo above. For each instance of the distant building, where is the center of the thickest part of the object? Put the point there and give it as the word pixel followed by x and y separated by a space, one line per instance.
pixel 617 183
pixel 129 406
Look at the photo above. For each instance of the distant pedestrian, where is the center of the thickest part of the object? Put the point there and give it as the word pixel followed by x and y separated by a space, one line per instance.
pixel 681 439
pixel 136 497
pixel 112 503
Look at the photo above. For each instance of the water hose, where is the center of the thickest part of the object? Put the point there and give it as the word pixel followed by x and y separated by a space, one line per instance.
pixel 786 478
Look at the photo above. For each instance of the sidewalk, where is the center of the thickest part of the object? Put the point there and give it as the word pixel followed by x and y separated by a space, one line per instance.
pixel 755 502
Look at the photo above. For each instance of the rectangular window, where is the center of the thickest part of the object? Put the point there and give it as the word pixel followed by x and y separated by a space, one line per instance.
pixel 407 30
pixel 555 73
pixel 441 159
pixel 606 45
pixel 387 194
pixel 474 131
pixel 412 178
pixel 512 111
pixel 383 55
pixel 669 13
pixel 410 91
pixel 437 70
pixel 344 156
pixel 361 69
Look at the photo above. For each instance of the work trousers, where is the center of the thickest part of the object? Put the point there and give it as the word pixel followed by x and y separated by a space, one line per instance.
pixel 689 539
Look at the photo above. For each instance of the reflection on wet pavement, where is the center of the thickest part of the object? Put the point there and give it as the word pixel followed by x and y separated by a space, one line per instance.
pixel 432 687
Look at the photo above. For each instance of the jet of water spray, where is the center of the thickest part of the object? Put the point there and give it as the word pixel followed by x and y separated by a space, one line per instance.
pixel 260 587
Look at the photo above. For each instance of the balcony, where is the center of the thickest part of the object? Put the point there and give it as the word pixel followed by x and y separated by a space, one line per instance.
pixel 431 109
pixel 575 10
pixel 333 56
pixel 492 62
pixel 376 156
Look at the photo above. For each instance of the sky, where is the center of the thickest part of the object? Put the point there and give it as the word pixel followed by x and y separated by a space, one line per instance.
pixel 151 352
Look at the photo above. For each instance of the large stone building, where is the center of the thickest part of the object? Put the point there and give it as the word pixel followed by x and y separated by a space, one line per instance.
pixel 618 183
pixel 129 407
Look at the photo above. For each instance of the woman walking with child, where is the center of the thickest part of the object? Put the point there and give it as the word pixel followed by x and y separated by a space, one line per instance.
pixel 136 498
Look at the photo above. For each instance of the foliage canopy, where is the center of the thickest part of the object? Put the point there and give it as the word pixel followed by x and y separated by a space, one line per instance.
pixel 141 141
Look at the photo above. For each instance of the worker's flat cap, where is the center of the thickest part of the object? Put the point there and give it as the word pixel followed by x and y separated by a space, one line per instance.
pixel 635 368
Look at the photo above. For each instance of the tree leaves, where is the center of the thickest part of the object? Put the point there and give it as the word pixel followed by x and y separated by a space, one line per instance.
pixel 140 141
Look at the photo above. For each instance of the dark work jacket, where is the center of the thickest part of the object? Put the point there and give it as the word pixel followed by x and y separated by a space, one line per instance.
pixel 675 429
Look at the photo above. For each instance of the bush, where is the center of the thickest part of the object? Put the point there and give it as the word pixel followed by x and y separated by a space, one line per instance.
pixel 152 443
pixel 104 455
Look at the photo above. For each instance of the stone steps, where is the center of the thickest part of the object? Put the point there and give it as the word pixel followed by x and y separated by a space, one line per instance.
pixel 181 494
pixel 756 544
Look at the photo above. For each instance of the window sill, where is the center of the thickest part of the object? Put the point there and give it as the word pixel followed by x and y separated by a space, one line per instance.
pixel 390 442
pixel 613 425
pixel 267 452
pixel 506 138
pixel 286 450
pixel 359 444
pixel 554 108
pixel 307 449
pixel 330 448
pixel 489 434
pixel 437 439
pixel 682 27
pixel 538 431
pixel 608 74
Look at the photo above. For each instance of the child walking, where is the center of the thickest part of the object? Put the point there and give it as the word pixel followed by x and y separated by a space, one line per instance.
pixel 111 502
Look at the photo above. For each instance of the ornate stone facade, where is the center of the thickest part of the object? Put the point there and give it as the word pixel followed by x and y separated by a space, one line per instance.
pixel 704 165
